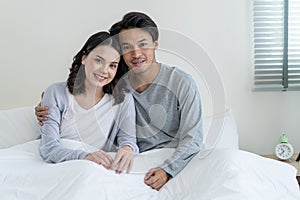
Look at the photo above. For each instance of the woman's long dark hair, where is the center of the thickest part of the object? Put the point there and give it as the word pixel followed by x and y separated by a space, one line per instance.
pixel 75 81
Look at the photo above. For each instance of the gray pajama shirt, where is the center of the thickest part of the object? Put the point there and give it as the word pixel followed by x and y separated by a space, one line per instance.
pixel 168 114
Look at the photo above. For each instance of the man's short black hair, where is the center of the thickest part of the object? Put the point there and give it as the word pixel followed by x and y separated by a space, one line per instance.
pixel 136 20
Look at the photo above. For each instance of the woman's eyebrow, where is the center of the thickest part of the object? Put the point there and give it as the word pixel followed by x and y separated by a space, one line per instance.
pixel 100 57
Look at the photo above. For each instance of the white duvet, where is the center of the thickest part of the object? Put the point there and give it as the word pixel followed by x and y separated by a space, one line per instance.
pixel 222 174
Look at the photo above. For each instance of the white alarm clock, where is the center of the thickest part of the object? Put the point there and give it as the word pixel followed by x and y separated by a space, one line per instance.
pixel 284 150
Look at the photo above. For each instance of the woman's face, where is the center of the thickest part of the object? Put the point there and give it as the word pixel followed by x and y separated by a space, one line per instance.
pixel 101 65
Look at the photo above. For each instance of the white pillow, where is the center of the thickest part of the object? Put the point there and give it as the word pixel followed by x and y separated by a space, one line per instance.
pixel 220 131
pixel 17 126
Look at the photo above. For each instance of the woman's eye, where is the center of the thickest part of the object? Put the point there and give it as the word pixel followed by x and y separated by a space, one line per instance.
pixel 113 66
pixel 99 61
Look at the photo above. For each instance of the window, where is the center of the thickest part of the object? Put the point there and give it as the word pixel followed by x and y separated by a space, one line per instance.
pixel 276 45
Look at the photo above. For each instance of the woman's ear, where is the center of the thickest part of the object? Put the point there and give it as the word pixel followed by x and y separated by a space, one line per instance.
pixel 83 59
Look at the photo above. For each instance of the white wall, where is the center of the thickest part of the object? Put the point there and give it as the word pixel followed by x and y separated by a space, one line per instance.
pixel 39 38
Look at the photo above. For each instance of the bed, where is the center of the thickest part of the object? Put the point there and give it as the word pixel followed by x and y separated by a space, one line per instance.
pixel 221 171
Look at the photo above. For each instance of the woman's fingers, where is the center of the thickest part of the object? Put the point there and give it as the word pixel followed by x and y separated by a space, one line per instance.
pixel 129 166
pixel 101 158
pixel 122 164
pixel 123 160
pixel 104 158
pixel 116 160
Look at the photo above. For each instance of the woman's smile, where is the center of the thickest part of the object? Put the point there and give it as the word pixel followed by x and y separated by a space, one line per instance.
pixel 100 78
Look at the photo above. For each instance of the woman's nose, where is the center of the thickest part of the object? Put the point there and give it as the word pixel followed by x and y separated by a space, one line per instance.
pixel 104 68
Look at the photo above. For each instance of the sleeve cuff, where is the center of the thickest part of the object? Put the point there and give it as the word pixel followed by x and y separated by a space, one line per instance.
pixel 169 171
pixel 133 146
pixel 82 155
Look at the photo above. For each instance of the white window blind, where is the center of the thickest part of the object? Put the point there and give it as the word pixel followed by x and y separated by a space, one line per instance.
pixel 276 45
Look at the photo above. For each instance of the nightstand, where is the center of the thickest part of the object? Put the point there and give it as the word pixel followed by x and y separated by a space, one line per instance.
pixel 292 162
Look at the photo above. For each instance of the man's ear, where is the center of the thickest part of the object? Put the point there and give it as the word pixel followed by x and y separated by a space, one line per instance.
pixel 155 44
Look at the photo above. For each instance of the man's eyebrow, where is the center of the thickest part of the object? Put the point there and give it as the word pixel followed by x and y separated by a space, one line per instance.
pixel 142 40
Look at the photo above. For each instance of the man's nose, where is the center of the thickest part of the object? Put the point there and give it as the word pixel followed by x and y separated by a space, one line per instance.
pixel 136 52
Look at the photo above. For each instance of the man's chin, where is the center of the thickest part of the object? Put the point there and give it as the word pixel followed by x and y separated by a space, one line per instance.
pixel 138 70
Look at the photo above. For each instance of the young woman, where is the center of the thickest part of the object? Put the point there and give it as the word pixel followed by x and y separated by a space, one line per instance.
pixel 89 108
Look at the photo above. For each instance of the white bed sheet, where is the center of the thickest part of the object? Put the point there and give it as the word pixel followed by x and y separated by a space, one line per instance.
pixel 222 174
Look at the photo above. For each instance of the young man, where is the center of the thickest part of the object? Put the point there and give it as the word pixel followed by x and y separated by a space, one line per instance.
pixel 167 101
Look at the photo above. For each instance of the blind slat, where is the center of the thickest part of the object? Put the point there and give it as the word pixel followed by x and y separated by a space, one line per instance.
pixel 276 36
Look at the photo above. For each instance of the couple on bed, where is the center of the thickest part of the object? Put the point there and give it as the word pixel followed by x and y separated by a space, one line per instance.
pixel 119 98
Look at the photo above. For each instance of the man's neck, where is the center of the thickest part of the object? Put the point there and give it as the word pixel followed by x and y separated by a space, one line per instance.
pixel 141 81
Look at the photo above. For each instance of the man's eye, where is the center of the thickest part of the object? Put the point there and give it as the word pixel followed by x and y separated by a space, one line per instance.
pixel 125 47
pixel 143 44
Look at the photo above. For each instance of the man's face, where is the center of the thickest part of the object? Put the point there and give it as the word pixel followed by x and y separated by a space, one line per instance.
pixel 138 49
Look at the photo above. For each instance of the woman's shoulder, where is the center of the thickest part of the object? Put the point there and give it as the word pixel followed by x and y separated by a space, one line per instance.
pixel 127 101
pixel 56 91
pixel 128 97
pixel 59 87
pixel 56 94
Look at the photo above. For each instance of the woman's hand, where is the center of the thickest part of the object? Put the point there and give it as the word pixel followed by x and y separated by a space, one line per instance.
pixel 123 159
pixel 100 157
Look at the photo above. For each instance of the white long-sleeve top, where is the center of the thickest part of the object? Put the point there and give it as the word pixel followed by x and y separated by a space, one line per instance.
pixel 105 126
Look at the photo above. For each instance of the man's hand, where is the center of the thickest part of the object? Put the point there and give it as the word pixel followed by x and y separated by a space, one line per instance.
pixel 123 159
pixel 40 112
pixel 100 157
pixel 156 178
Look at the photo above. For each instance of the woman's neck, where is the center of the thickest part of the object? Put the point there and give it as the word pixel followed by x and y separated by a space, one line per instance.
pixel 90 97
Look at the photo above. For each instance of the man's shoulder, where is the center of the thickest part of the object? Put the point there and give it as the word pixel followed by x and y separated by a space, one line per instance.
pixel 176 74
